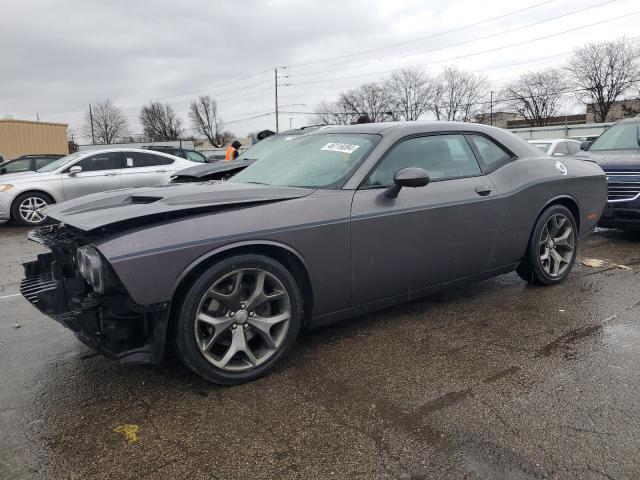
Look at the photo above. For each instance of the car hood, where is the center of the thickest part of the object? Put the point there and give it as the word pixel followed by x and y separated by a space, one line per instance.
pixel 23 176
pixel 143 205
pixel 202 171
pixel 615 159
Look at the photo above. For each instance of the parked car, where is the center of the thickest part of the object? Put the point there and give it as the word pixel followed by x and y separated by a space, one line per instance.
pixel 23 196
pixel 344 220
pixel 585 140
pixel 222 170
pixel 560 146
pixel 617 151
pixel 27 163
pixel 185 153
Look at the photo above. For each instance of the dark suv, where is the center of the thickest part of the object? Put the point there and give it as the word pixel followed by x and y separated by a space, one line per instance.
pixel 189 154
pixel 617 151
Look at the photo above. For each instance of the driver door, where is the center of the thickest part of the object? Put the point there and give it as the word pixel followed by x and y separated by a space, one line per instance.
pixel 100 172
pixel 428 235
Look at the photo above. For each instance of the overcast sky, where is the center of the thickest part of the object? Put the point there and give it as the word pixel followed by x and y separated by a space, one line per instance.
pixel 58 56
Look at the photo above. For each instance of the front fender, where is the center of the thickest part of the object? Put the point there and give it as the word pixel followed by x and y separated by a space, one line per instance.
pixel 228 248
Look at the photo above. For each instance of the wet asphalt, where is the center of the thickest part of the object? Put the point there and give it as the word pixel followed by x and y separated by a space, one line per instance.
pixel 494 380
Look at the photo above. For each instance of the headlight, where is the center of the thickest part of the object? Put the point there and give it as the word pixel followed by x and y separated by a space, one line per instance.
pixel 5 187
pixel 94 270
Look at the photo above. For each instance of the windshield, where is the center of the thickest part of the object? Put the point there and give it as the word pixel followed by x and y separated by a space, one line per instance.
pixel 316 161
pixel 60 162
pixel 268 145
pixel 624 136
pixel 542 146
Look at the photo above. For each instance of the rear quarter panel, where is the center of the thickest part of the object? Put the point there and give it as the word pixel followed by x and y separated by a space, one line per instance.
pixel 529 185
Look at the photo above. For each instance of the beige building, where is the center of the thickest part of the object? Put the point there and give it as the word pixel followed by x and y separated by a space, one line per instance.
pixel 23 137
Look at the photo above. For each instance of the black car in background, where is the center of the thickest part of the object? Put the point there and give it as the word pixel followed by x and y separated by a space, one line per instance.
pixel 28 163
pixel 187 153
pixel 617 151
pixel 223 170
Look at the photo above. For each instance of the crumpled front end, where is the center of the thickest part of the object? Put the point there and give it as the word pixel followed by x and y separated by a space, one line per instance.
pixel 106 320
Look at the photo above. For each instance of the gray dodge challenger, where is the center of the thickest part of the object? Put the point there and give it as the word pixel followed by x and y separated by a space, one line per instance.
pixel 344 221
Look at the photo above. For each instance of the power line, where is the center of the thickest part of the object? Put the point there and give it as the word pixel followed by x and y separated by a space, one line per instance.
pixel 464 42
pixel 362 52
pixel 544 37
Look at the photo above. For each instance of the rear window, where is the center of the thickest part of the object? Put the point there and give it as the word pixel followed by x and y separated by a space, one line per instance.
pixel 491 155
pixel 162 160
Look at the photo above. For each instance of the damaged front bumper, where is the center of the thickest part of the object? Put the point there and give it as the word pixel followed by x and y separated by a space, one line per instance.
pixel 111 323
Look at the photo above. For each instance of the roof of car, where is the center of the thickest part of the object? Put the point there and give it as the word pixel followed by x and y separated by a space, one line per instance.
pixel 434 125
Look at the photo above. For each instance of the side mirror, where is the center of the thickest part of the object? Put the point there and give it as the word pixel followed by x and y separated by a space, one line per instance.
pixel 407 177
pixel 3 170
pixel 75 170
pixel 585 145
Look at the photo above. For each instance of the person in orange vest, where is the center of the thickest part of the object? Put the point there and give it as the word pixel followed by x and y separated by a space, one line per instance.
pixel 232 151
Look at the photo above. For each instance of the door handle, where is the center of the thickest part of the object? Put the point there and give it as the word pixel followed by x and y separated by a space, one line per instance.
pixel 110 174
pixel 161 171
pixel 483 190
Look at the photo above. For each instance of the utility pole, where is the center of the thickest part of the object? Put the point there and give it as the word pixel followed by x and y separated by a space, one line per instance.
pixel 290 122
pixel 93 138
pixel 38 116
pixel 275 70
pixel 491 110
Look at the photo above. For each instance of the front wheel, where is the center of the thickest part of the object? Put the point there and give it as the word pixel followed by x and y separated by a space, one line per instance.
pixel 27 209
pixel 238 319
pixel 552 249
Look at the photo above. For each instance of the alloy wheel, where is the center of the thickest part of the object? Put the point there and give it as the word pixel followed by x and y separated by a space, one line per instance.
pixel 556 245
pixel 242 320
pixel 30 209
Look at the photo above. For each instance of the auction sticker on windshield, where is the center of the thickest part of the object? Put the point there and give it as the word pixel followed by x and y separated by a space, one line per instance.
pixel 340 147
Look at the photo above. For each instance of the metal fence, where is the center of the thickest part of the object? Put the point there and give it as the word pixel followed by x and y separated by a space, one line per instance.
pixel 561 131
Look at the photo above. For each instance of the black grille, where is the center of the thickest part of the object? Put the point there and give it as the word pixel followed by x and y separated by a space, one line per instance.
pixel 624 185
pixel 621 191
pixel 31 287
pixel 51 235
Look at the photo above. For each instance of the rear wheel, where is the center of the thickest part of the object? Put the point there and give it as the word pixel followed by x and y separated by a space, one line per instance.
pixel 27 208
pixel 552 249
pixel 239 319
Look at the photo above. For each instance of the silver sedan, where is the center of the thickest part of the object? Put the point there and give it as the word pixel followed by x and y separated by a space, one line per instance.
pixel 23 196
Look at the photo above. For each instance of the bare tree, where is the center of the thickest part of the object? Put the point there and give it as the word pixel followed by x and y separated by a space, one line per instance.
pixel 537 96
pixel 411 93
pixel 160 122
pixel 459 95
pixel 372 99
pixel 109 123
pixel 205 120
pixel 331 114
pixel 604 72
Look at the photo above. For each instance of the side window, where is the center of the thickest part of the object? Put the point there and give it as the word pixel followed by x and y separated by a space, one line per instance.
pixel 162 160
pixel 137 159
pixel 41 162
pixel 195 156
pixel 101 161
pixel 18 166
pixel 561 147
pixel 442 156
pixel 573 147
pixel 490 153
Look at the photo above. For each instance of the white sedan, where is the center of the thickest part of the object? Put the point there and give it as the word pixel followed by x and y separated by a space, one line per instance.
pixel 23 196
pixel 561 146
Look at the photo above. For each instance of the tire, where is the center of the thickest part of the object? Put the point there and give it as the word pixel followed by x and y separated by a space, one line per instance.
pixel 230 315
pixel 25 209
pixel 550 258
